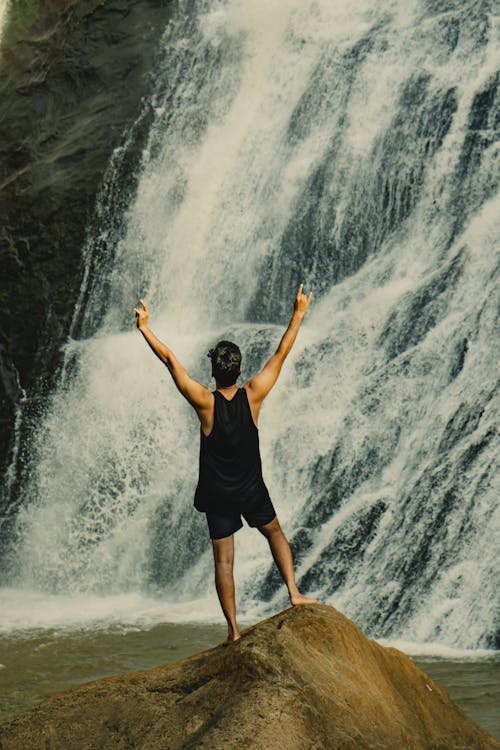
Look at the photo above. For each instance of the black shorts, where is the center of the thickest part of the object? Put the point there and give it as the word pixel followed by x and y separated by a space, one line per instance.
pixel 222 523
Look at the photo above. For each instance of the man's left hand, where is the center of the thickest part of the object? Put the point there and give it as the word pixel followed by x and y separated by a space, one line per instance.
pixel 141 315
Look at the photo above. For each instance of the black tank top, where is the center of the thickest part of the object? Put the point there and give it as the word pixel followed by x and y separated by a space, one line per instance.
pixel 230 466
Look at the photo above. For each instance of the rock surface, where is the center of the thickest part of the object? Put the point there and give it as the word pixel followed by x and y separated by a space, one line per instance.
pixel 73 75
pixel 305 678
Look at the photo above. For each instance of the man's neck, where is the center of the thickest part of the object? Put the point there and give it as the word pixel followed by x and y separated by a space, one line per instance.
pixel 227 390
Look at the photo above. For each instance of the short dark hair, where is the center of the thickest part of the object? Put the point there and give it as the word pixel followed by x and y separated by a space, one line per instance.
pixel 226 362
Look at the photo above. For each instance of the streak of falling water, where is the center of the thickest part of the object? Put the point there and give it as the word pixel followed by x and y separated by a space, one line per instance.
pixel 354 150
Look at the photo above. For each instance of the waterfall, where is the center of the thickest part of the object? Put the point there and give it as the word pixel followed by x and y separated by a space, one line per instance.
pixel 353 149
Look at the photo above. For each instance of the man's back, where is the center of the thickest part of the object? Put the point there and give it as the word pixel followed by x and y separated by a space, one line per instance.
pixel 230 465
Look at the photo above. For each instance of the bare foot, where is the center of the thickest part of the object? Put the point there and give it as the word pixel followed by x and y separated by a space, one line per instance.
pixel 232 638
pixel 297 599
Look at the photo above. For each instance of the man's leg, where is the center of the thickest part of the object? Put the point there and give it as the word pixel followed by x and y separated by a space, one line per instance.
pixel 282 555
pixel 224 583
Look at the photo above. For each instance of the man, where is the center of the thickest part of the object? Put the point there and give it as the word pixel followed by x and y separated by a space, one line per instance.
pixel 230 483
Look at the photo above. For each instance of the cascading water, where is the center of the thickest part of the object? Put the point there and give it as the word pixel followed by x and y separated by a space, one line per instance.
pixel 354 149
pixel 4 9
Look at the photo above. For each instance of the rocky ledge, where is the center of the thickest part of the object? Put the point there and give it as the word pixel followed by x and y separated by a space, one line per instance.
pixel 306 678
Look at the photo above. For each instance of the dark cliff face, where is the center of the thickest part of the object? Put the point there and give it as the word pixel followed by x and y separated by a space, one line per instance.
pixel 73 78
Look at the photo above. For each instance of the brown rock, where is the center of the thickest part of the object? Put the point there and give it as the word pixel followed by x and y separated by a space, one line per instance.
pixel 306 678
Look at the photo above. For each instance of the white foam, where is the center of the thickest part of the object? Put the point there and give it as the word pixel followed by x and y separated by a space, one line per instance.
pixel 435 650
pixel 4 10
pixel 24 610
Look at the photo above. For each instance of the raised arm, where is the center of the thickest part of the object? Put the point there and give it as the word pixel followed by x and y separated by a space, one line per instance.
pixel 198 396
pixel 259 386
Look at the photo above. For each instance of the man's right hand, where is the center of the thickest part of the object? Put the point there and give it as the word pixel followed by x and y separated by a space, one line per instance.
pixel 302 301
